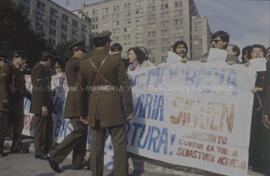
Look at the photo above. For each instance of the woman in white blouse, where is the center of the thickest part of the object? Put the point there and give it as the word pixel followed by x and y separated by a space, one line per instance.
pixel 137 59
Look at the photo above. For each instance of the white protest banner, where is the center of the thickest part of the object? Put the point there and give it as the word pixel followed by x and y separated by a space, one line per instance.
pixel 194 114
pixel 62 127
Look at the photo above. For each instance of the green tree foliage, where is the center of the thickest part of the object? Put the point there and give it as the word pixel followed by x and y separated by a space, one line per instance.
pixel 16 34
pixel 63 52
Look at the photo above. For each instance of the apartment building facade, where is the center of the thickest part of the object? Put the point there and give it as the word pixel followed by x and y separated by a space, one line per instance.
pixel 56 23
pixel 154 24
pixel 201 35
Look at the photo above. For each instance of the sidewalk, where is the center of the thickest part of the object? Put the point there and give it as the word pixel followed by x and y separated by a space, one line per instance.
pixel 25 164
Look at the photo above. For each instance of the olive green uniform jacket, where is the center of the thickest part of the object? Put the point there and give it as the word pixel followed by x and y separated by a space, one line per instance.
pixel 41 92
pixel 106 106
pixel 72 69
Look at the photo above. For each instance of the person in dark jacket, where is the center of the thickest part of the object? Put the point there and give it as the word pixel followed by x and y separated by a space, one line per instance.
pixel 17 99
pixel 41 106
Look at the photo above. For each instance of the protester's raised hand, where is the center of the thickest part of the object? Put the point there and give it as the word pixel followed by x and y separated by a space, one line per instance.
pixel 266 121
pixel 230 62
pixel 184 60
pixel 203 60
pixel 130 116
pixel 84 120
pixel 247 64
pixel 44 111
pixel 256 89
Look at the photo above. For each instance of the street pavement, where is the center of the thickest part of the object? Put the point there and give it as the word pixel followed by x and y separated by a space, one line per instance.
pixel 25 164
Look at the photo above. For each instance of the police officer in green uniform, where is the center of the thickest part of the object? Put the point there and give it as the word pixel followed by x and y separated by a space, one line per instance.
pixel 76 140
pixel 17 98
pixel 5 80
pixel 41 105
pixel 105 76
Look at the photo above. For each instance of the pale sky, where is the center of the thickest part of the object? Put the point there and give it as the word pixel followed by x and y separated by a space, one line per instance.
pixel 247 21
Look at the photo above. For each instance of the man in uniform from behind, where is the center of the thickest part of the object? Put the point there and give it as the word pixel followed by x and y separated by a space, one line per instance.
pixel 105 76
pixel 17 98
pixel 5 79
pixel 76 140
pixel 41 105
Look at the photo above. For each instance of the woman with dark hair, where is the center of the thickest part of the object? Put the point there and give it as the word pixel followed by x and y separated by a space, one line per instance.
pixel 137 59
pixel 246 54
pixel 259 137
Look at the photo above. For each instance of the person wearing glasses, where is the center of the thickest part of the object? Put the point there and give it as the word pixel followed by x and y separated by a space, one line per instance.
pixel 219 40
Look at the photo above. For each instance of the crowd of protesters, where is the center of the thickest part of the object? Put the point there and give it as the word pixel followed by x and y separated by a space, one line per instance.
pixel 12 83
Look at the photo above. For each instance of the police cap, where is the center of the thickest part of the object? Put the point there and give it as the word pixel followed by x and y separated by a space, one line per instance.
pixel 17 54
pixel 46 56
pixel 78 46
pixel 103 37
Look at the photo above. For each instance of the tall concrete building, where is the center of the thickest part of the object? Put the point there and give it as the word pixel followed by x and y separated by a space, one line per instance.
pixel 55 22
pixel 201 36
pixel 154 24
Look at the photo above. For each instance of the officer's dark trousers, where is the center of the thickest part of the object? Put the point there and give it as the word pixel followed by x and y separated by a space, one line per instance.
pixel 43 134
pixel 76 141
pixel 17 123
pixel 3 128
pixel 118 135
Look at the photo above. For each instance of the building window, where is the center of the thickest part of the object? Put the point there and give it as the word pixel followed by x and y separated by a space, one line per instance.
pixel 151 9
pixel 74 23
pixel 139 35
pixel 165 41
pixel 127 21
pixel 74 31
pixel 127 29
pixel 65 18
pixel 165 23
pixel 151 25
pixel 151 16
pixel 164 14
pixel 151 42
pixel 179 38
pixel 178 4
pixel 127 37
pixel 139 11
pixel 139 43
pixel 139 19
pixel 127 5
pixel 179 12
pixel 95 12
pixel 164 32
pixel 41 6
pixel 84 28
pixel 151 34
pixel 178 21
pixel 53 22
pixel 116 8
pixel 116 23
pixel 54 12
pixel 164 49
pixel 64 27
pixel 52 32
pixel 105 10
pixel 164 6
pixel 152 51
pixel 139 28
pixel 64 37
